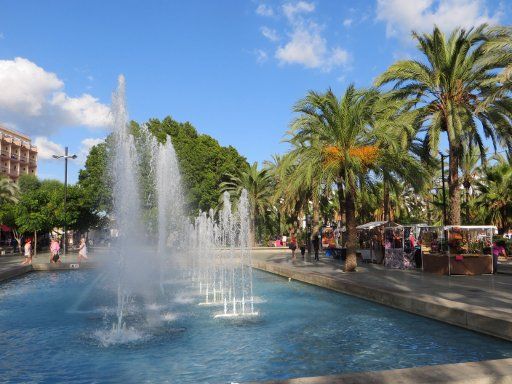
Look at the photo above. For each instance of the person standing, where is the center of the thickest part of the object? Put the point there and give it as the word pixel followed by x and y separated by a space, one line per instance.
pixel 54 251
pixel 28 252
pixel 82 250
pixel 293 244
pixel 316 245
pixel 498 250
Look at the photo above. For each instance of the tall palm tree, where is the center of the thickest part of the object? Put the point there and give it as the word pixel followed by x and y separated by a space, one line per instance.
pixel 344 145
pixel 450 88
pixel 9 191
pixel 258 184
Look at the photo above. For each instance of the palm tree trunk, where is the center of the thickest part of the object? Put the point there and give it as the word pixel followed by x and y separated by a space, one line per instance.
pixel 350 212
pixel 316 215
pixel 454 184
pixel 341 201
pixel 385 185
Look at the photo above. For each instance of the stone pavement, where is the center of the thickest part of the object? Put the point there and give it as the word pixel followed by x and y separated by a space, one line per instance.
pixel 479 303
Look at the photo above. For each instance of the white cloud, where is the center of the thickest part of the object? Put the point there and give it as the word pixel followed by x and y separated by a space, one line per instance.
pixel 304 43
pixel 47 148
pixel 87 144
pixel 403 16
pixel 309 48
pixel 264 10
pixel 34 100
pixel 261 56
pixel 290 10
pixel 347 23
pixel 270 34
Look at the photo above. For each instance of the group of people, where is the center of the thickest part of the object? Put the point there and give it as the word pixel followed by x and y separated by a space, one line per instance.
pixel 54 251
pixel 301 244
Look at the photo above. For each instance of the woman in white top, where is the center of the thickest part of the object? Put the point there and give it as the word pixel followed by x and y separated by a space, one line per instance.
pixel 82 250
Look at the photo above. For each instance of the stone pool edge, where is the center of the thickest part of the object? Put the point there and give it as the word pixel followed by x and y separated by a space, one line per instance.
pixel 20 270
pixel 462 315
pixel 481 372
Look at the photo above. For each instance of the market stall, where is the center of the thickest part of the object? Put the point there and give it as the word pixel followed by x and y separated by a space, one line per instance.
pixel 468 251
pixel 431 242
pixel 400 246
pixel 371 240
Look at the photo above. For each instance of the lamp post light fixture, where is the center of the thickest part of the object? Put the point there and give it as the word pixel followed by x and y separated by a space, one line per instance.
pixel 66 156
pixel 443 156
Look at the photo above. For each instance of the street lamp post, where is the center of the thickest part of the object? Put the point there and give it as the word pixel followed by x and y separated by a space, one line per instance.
pixel 444 193
pixel 65 157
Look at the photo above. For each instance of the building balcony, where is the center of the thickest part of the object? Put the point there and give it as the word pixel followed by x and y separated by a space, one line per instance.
pixel 33 148
pixel 4 169
pixel 32 163
pixel 14 157
pixel 23 159
pixel 5 153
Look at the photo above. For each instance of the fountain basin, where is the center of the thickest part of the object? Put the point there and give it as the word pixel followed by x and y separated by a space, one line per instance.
pixel 61 322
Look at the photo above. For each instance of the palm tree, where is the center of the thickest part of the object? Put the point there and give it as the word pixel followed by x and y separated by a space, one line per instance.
pixel 470 174
pixel 9 191
pixel 304 180
pixel 336 134
pixel 499 51
pixel 451 90
pixel 258 184
pixel 494 198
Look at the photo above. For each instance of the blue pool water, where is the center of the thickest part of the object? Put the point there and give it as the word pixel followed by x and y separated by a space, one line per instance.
pixel 53 327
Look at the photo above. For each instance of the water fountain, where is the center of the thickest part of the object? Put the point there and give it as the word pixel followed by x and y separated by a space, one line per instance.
pixel 224 258
pixel 220 250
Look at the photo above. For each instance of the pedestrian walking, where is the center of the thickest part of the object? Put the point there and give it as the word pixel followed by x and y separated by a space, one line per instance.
pixel 28 252
pixel 316 245
pixel 82 250
pixel 54 251
pixel 293 243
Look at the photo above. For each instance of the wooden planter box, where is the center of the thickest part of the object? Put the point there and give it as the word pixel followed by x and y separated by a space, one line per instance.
pixel 469 265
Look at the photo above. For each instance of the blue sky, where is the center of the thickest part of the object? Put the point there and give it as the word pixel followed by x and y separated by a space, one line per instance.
pixel 232 68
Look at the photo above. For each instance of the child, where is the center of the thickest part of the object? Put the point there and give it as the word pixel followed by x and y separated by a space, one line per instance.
pixel 293 245
pixel 82 250
pixel 302 248
pixel 54 251
pixel 28 252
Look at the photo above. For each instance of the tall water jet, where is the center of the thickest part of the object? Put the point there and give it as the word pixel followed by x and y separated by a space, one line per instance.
pixel 125 195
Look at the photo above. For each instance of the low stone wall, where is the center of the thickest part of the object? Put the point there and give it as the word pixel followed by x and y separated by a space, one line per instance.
pixel 14 271
pixel 482 372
